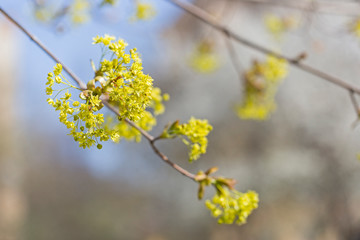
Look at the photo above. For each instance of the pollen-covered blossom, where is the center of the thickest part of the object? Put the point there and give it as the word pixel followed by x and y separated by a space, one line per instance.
pixel 204 59
pixel 110 2
pixel 231 206
pixel 355 27
pixel 144 11
pixel 157 101
pixel 80 11
pixel 84 122
pixel 120 80
pixel 127 86
pixel 43 13
pixel 278 25
pixel 261 82
pixel 194 134
pixel 77 12
pixel 146 122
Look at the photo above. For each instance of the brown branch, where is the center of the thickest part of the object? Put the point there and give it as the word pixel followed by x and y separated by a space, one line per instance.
pixel 173 165
pixel 324 7
pixel 152 140
pixel 149 137
pixel 234 57
pixel 82 85
pixel 210 20
pixel 355 104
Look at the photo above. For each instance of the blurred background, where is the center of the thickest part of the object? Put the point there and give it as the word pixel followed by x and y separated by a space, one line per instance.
pixel 302 161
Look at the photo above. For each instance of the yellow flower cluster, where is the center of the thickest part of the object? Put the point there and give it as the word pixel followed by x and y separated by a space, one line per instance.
pixel 204 59
pixel 122 82
pixel 144 11
pixel 231 206
pixel 355 27
pixel 277 26
pixel 82 120
pixel 79 11
pixel 43 13
pixel 110 2
pixel 193 134
pixel 123 79
pixel 124 130
pixel 261 82
pixel 157 101
pixel 146 122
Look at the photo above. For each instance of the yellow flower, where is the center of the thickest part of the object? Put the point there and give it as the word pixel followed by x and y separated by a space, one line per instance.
pixel 277 25
pixel 261 82
pixel 144 11
pixel 79 11
pixel 123 82
pixel 355 27
pixel 231 206
pixel 196 132
pixel 204 59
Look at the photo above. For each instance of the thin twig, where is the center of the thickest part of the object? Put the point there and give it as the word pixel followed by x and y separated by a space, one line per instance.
pixel 173 165
pixel 324 7
pixel 82 85
pixel 152 140
pixel 233 57
pixel 356 108
pixel 149 137
pixel 354 103
pixel 210 20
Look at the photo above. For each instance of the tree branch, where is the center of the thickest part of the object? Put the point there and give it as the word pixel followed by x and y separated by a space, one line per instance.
pixel 354 103
pixel 82 85
pixel 234 58
pixel 152 140
pixel 210 20
pixel 324 7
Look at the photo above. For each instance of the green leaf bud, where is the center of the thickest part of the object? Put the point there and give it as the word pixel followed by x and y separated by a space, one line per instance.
pixel 211 170
pixel 201 190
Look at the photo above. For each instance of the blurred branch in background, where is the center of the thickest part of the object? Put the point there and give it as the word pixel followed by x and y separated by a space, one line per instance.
pixel 326 7
pixel 297 61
